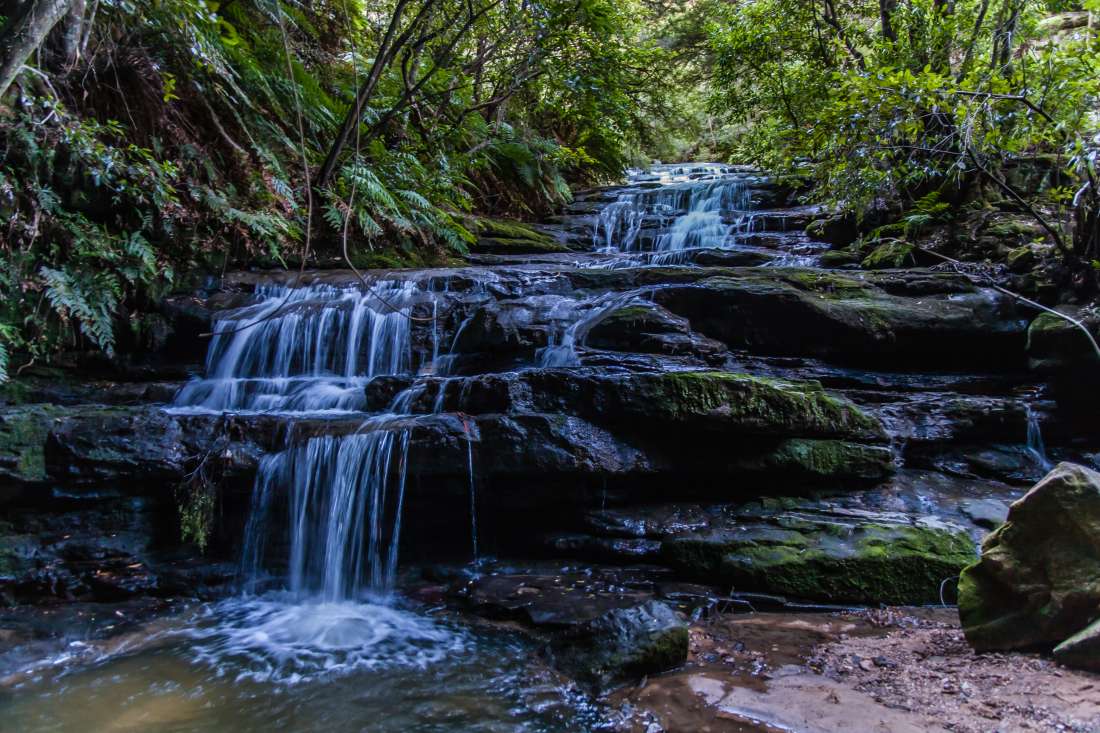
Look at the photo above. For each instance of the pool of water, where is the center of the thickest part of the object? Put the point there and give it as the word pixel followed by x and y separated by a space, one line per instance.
pixel 277 664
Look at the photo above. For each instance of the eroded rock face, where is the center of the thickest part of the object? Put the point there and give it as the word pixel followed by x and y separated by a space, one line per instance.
pixel 1038 580
pixel 870 318
pixel 623 644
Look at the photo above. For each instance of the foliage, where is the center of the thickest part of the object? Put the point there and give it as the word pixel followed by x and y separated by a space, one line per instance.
pixel 883 102
pixel 186 137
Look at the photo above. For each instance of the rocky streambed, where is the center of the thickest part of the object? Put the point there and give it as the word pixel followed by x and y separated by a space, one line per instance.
pixel 484 496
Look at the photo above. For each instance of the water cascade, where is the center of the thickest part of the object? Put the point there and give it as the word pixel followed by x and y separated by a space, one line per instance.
pixel 305 349
pixel 686 213
pixel 1035 445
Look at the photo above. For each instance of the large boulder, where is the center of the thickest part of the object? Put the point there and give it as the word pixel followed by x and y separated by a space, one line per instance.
pixel 1038 580
pixel 622 645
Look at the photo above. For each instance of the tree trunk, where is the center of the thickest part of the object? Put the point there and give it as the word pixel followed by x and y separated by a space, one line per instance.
pixel 71 33
pixel 25 34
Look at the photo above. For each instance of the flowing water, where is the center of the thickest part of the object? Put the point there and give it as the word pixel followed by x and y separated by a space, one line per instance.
pixel 319 636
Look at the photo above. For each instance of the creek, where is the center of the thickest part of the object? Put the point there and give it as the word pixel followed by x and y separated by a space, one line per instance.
pixel 470 432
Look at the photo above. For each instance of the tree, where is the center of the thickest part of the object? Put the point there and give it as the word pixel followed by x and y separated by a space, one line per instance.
pixel 25 32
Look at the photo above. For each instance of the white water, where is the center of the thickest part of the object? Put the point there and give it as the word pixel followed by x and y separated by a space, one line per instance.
pixel 702 206
pixel 311 349
pixel 1035 445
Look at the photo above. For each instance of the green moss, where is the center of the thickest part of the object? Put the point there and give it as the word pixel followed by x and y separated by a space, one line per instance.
pixel 508 229
pixel 23 433
pixel 1014 229
pixel 890 256
pixel 839 258
pixel 498 245
pixel 768 406
pixel 827 458
pixel 831 285
pixel 829 560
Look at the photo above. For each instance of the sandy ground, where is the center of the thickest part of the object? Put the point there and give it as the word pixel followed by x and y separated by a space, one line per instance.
pixel 889 671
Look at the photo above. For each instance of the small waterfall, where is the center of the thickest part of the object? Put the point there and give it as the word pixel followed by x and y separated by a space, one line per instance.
pixel 311 349
pixel 561 351
pixel 345 495
pixel 473 490
pixel 685 207
pixel 1035 445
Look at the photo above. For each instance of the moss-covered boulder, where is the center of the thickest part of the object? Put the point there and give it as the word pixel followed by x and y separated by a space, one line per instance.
pixel 839 258
pixel 23 432
pixel 501 237
pixel 1038 580
pixel 825 556
pixel 890 256
pixel 736 404
pixel 623 645
pixel 1056 345
pixel 815 460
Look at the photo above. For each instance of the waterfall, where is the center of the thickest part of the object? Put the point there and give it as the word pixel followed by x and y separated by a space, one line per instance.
pixel 1035 445
pixel 345 495
pixel 310 349
pixel 688 208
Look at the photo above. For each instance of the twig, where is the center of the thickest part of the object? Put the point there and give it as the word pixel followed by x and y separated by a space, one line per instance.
pixel 1028 301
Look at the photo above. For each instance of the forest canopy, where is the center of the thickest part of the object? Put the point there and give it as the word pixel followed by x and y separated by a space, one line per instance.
pixel 148 144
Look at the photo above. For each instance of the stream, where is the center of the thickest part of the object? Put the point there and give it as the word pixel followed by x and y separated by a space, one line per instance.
pixel 461 420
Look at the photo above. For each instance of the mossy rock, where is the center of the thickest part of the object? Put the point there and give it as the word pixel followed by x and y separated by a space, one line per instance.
pixel 23 433
pixel 1055 344
pixel 904 318
pixel 501 237
pixel 839 258
pixel 808 459
pixel 736 404
pixel 823 557
pixel 892 256
pixel 499 246
pixel 1038 580
pixel 1021 259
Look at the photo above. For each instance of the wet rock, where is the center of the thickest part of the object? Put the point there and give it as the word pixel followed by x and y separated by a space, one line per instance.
pixel 606 549
pixel 822 554
pixel 1056 345
pixel 809 460
pixel 637 328
pixel 622 645
pixel 133 444
pixel 555 601
pixel 23 432
pixel 988 513
pixel 736 404
pixel 1038 580
pixel 838 231
pixel 113 443
pixel 891 317
pixel 1082 650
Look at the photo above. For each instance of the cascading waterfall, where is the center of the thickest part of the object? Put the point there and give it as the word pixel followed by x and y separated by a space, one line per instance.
pixel 345 496
pixel 704 206
pixel 311 349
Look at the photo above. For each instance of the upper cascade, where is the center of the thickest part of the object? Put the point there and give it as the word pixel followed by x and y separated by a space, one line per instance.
pixel 690 206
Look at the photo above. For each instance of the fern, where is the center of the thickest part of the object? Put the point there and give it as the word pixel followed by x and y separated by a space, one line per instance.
pixel 89 298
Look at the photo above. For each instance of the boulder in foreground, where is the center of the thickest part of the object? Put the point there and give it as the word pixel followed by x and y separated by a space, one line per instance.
pixel 1038 581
